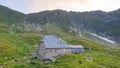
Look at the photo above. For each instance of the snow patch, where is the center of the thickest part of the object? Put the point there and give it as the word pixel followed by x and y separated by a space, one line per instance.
pixel 103 38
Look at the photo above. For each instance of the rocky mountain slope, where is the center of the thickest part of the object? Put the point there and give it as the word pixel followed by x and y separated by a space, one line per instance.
pixel 21 34
pixel 105 24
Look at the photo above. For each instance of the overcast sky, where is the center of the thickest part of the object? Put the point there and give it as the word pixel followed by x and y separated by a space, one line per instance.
pixel 30 6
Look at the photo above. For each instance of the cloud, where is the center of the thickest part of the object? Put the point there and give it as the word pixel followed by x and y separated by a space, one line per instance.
pixel 39 5
pixel 74 5
pixel 30 6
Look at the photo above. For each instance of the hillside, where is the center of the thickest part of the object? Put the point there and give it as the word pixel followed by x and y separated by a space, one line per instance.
pixel 102 23
pixel 16 45
pixel 21 34
pixel 9 16
pixel 102 57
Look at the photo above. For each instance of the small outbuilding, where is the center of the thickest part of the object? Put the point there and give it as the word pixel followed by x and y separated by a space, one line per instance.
pixel 77 49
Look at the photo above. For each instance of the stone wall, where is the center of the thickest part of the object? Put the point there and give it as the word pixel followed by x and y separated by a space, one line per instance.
pixel 77 50
pixel 41 52
pixel 54 52
pixel 46 53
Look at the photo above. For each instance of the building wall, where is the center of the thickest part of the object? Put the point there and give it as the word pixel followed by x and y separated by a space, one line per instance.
pixel 41 52
pixel 54 52
pixel 46 53
pixel 77 50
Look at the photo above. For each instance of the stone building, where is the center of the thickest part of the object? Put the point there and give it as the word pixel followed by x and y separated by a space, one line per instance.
pixel 53 46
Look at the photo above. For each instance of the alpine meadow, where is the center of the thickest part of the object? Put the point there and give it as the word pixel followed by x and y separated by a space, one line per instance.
pixel 98 32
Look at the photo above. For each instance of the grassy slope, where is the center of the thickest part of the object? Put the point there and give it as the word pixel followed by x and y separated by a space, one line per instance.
pixel 103 57
pixel 95 39
pixel 53 30
pixel 20 45
pixel 9 16
pixel 5 28
pixel 16 45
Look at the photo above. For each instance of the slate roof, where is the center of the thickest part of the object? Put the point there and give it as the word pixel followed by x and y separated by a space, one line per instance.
pixel 51 41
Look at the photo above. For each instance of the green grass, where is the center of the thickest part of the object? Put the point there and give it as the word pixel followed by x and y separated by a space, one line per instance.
pixel 31 38
pixel 11 47
pixel 5 28
pixel 103 56
pixel 15 49
pixel 95 39
pixel 84 42
pixel 17 45
pixel 53 30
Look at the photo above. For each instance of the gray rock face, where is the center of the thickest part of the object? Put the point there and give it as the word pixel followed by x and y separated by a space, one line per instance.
pixel 105 24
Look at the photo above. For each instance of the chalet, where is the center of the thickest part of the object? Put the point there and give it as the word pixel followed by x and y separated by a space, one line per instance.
pixel 53 46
